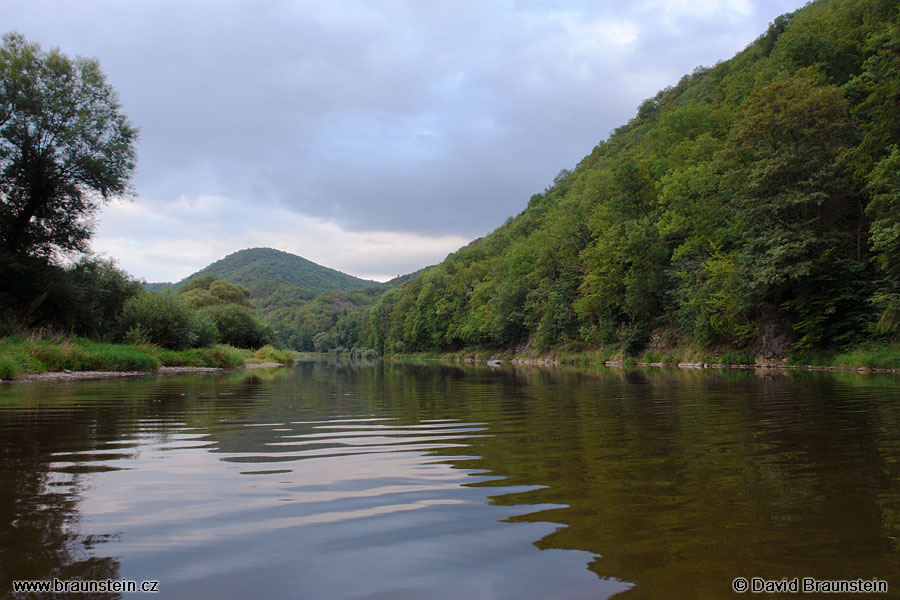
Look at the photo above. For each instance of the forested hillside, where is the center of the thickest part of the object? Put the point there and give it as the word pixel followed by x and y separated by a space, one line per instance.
pixel 262 270
pixel 756 200
pixel 297 297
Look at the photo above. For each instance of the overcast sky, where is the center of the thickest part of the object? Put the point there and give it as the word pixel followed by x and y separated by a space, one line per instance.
pixel 374 137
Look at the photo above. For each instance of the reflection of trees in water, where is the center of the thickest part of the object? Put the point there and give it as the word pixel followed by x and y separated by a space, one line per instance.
pixel 677 481
pixel 39 536
pixel 681 482
pixel 50 434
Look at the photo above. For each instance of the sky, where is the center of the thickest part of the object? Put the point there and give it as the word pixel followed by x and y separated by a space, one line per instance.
pixel 374 137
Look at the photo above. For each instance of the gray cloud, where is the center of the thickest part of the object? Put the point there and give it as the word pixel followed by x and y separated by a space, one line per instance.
pixel 438 118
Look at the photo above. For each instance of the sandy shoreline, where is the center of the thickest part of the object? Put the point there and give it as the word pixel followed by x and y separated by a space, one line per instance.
pixel 78 375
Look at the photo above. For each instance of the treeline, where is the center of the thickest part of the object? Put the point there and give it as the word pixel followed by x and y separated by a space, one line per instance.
pixel 757 197
pixel 331 321
pixel 94 299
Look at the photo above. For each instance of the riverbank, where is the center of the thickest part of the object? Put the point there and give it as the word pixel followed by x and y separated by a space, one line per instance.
pixel 78 375
pixel 62 358
pixel 881 358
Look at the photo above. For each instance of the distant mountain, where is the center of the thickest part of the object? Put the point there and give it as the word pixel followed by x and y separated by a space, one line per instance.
pixel 261 270
pixel 297 297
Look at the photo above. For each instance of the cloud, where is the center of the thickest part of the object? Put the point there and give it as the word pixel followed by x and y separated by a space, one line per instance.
pixel 168 242
pixel 433 120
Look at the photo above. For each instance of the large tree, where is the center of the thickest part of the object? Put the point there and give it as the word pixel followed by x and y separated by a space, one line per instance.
pixel 65 149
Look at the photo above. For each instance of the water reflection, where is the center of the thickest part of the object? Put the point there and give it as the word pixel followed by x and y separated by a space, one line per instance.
pixel 350 480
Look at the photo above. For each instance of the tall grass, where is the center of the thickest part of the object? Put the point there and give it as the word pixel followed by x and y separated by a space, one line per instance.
pixel 871 356
pixel 220 355
pixel 269 353
pixel 41 353
pixel 35 354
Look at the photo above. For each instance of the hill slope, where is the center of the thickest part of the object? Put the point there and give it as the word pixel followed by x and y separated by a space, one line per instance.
pixel 754 205
pixel 261 270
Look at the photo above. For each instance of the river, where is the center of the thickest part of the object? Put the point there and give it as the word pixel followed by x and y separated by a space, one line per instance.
pixel 339 479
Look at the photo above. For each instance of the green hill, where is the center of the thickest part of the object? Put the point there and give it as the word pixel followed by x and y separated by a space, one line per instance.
pixel 751 206
pixel 262 270
pixel 297 297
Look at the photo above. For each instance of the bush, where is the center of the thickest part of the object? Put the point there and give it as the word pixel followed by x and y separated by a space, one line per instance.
pixel 165 320
pixel 221 355
pixel 206 329
pixel 635 340
pixel 9 367
pixel 270 353
pixel 237 325
pixel 322 342
pixel 652 356
pixel 735 357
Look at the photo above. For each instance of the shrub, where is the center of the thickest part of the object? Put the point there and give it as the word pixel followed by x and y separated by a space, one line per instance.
pixel 237 325
pixel 206 329
pixel 269 353
pixel 635 340
pixel 165 319
pixel 652 356
pixel 221 355
pixel 735 357
pixel 9 367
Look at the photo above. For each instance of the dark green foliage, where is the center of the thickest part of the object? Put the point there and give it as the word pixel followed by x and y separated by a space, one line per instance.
pixel 65 147
pixel 756 191
pixel 261 268
pixel 735 357
pixel 87 299
pixel 237 325
pixel 162 319
pixel 634 340
pixel 209 290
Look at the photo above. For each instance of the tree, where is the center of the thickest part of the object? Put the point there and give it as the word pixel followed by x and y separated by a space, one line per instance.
pixel 65 148
pixel 795 203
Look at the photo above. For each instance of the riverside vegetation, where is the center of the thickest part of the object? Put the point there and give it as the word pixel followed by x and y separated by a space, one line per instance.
pixel 748 213
pixel 65 148
pixel 752 208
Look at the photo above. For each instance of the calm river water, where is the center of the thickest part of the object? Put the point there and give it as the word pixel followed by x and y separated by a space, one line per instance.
pixel 383 480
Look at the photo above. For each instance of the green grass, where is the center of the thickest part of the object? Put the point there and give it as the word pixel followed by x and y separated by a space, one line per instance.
pixel 220 356
pixel 35 354
pixel 871 356
pixel 38 353
pixel 735 357
pixel 651 356
pixel 271 354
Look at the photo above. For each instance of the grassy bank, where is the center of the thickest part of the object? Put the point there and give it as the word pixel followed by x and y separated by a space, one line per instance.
pixel 25 354
pixel 870 356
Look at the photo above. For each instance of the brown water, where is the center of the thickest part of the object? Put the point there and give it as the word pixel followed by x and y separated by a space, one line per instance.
pixel 371 480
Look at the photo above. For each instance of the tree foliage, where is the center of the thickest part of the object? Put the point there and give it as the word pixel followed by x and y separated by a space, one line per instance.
pixel 756 191
pixel 65 147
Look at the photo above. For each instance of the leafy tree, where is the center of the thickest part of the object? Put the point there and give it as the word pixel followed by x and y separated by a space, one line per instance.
pixel 794 203
pixel 89 299
pixel 162 319
pixel 209 290
pixel 65 147
pixel 884 208
pixel 238 326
